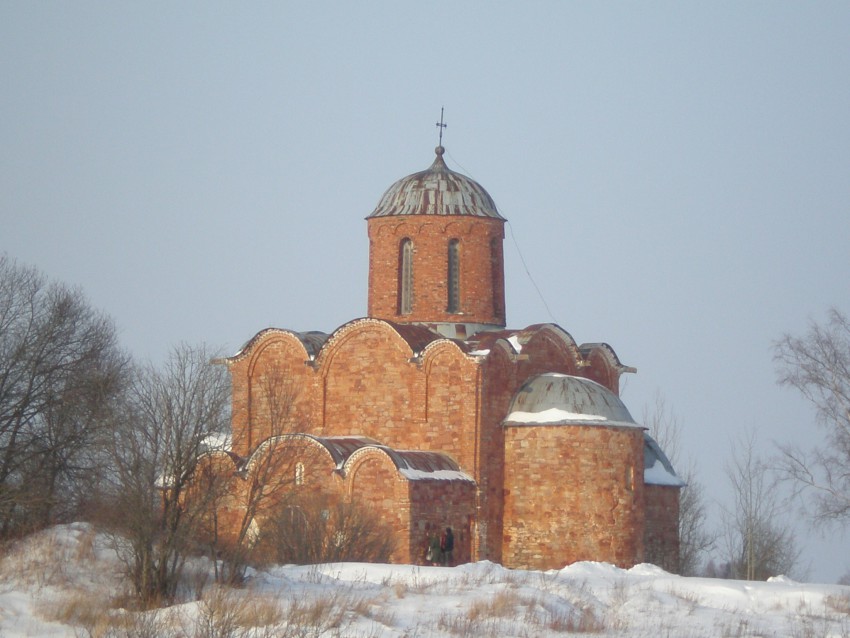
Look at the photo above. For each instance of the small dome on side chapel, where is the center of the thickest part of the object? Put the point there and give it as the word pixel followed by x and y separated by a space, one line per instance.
pixel 436 191
pixel 560 399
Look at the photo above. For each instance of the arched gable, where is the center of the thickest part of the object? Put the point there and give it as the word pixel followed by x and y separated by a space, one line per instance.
pixel 441 348
pixel 603 366
pixel 371 384
pixel 296 443
pixel 549 347
pixel 310 343
pixel 271 385
pixel 407 339
pixel 371 473
pixel 281 346
pixel 279 386
pixel 287 465
pixel 450 399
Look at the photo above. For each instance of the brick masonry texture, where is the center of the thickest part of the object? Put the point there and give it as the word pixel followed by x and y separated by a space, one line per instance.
pixel 531 497
pixel 367 382
pixel 573 492
pixel 482 296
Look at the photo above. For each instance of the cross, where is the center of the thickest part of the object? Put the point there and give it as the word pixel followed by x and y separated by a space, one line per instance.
pixel 441 126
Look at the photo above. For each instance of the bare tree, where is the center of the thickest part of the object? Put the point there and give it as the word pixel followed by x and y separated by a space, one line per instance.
pixel 818 365
pixel 694 539
pixel 262 485
pixel 169 414
pixel 60 369
pixel 758 542
pixel 311 530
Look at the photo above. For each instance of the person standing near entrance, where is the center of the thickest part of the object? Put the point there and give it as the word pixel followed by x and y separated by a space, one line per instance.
pixel 435 555
pixel 447 545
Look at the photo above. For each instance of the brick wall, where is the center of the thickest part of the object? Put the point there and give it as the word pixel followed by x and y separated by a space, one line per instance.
pixel 273 391
pixel 662 526
pixel 573 493
pixel 482 291
pixel 435 505
pixel 366 381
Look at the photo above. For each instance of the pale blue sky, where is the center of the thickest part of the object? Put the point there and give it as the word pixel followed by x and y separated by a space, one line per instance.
pixel 676 175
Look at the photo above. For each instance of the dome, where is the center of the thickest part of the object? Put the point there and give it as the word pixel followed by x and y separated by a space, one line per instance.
pixel 436 191
pixel 560 399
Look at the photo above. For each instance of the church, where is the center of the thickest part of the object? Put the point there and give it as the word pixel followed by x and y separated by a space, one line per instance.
pixel 432 413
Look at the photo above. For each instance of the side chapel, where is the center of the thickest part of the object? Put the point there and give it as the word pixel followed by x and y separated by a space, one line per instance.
pixel 432 413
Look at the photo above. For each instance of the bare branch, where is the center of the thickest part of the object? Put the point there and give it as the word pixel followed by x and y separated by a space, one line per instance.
pixel 818 366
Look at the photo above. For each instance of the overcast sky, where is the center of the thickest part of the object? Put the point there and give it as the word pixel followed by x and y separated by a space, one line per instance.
pixel 676 175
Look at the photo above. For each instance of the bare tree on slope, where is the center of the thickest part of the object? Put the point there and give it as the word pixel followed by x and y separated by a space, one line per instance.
pixel 169 414
pixel 759 542
pixel 60 370
pixel 818 366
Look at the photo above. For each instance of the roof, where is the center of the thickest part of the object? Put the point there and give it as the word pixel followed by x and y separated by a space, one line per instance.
pixel 437 191
pixel 657 467
pixel 562 399
pixel 414 465
pixel 312 341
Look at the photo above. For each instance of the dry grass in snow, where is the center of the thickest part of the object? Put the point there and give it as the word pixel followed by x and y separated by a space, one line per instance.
pixel 67 582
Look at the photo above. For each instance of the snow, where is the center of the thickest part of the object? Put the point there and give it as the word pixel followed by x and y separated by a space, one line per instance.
pixel 552 415
pixel 439 475
pixel 218 441
pixel 62 582
pixel 558 415
pixel 658 475
pixel 514 341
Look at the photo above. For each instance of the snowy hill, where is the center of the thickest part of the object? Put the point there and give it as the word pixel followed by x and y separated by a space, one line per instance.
pixel 67 582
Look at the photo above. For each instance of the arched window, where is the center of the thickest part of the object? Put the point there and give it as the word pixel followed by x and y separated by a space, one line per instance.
pixel 405 277
pixel 496 276
pixel 453 276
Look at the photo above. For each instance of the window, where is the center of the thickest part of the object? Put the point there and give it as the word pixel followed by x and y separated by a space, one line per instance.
pixel 453 276
pixel 299 474
pixel 496 277
pixel 405 277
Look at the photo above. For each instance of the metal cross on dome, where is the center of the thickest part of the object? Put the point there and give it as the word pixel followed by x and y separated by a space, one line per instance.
pixel 441 125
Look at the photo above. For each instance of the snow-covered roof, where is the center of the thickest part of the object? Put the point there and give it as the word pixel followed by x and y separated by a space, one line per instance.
pixel 657 467
pixel 416 465
pixel 561 399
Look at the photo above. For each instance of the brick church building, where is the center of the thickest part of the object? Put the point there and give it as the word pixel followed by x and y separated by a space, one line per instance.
pixel 430 412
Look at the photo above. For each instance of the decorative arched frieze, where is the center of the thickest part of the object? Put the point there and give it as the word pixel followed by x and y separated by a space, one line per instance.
pixel 424 226
pixel 459 228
